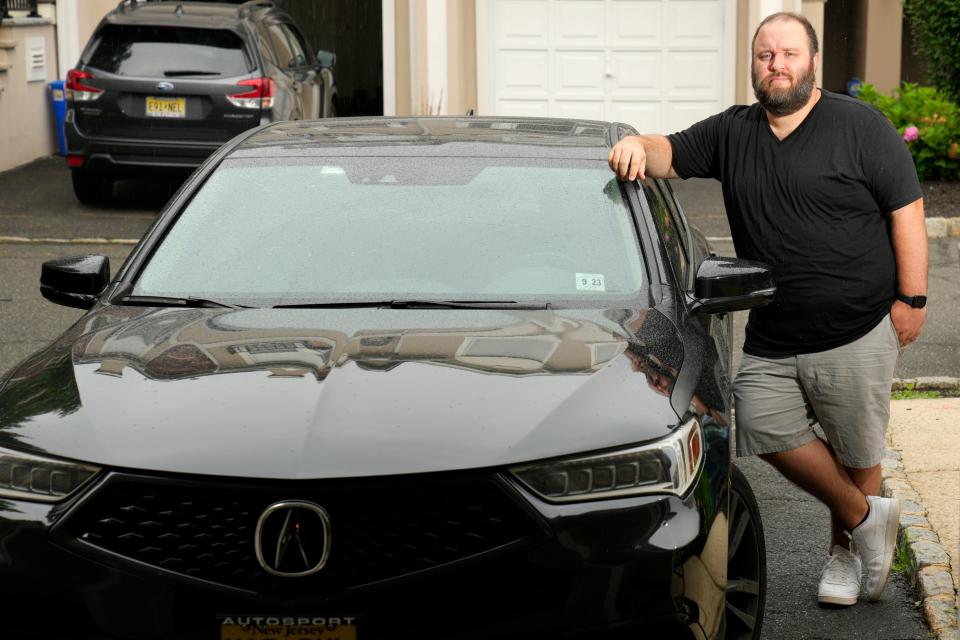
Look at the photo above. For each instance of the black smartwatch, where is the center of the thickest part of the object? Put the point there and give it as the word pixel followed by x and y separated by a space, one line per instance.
pixel 917 302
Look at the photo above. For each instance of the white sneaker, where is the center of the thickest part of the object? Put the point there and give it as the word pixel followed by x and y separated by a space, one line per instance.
pixel 876 540
pixel 840 579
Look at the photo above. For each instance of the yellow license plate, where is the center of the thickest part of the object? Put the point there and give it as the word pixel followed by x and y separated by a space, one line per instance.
pixel 166 107
pixel 287 628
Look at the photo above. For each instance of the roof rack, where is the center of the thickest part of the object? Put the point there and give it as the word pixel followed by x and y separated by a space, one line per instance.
pixel 252 5
pixel 124 4
pixel 243 10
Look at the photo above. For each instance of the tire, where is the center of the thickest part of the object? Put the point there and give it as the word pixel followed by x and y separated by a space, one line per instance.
pixel 91 188
pixel 746 562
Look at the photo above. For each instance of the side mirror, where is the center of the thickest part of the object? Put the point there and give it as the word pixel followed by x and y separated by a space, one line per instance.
pixel 75 281
pixel 326 59
pixel 732 284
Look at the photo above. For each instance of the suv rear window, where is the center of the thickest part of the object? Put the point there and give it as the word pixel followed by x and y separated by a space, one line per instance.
pixel 149 50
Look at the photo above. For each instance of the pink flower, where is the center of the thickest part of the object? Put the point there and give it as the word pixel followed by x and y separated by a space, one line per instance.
pixel 911 133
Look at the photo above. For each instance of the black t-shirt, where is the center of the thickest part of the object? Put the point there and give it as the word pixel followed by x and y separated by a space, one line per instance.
pixel 813 206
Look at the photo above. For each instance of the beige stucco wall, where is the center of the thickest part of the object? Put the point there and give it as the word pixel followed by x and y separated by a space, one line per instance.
pixel 403 62
pixel 884 30
pixel 743 93
pixel 462 48
pixel 89 14
pixel 813 11
pixel 422 100
pixel 26 118
pixel 414 93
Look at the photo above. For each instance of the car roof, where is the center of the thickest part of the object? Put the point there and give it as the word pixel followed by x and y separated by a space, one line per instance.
pixel 190 14
pixel 433 135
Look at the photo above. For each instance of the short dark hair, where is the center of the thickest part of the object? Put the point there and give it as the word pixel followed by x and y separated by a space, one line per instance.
pixel 812 40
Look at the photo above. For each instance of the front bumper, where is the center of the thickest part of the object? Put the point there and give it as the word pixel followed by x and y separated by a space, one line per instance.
pixel 594 570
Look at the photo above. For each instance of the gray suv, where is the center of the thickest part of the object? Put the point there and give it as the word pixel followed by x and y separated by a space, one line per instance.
pixel 163 84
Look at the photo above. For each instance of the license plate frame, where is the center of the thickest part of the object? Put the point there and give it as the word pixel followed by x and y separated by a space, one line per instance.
pixel 285 627
pixel 165 107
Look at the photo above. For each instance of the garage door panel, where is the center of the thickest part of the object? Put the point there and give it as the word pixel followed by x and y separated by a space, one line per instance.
pixel 584 109
pixel 636 74
pixel 579 22
pixel 693 24
pixel 680 115
pixel 523 108
pixel 523 73
pixel 656 64
pixel 579 73
pixel 522 23
pixel 645 117
pixel 692 74
pixel 634 23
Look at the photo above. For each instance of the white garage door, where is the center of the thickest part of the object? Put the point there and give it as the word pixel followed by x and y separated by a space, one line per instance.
pixel 659 65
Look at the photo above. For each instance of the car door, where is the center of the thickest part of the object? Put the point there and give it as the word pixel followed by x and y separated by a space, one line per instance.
pixel 690 251
pixel 288 103
pixel 672 231
pixel 304 71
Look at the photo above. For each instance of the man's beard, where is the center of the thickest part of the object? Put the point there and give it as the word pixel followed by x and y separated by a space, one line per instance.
pixel 783 102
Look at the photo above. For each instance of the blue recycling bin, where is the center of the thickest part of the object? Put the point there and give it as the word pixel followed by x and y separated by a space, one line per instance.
pixel 59 102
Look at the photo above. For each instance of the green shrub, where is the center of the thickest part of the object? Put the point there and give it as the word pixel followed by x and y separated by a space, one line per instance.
pixel 929 123
pixel 935 25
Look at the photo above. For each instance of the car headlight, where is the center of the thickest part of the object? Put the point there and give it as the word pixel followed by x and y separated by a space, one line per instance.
pixel 25 476
pixel 669 465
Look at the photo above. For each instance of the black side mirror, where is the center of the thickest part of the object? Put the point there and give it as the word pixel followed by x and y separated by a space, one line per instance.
pixel 75 281
pixel 326 59
pixel 732 284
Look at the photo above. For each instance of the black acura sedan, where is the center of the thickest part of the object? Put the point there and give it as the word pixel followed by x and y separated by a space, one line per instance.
pixel 389 378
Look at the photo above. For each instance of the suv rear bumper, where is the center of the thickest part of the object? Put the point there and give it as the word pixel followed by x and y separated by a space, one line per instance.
pixel 130 157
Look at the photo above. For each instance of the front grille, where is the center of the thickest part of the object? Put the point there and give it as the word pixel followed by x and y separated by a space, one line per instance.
pixel 378 531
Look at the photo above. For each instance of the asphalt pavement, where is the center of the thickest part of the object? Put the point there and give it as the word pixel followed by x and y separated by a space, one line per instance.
pixel 38 203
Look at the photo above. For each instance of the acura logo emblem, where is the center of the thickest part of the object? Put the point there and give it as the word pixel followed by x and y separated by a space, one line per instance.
pixel 292 538
pixel 164 86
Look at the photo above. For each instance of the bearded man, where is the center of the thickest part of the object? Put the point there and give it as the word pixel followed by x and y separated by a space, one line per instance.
pixel 821 187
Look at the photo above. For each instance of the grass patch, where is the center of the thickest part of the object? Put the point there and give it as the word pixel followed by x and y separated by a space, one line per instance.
pixel 902 562
pixel 910 392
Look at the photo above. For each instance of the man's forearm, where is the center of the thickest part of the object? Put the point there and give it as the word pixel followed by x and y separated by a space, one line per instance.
pixel 642 156
pixel 659 156
pixel 909 234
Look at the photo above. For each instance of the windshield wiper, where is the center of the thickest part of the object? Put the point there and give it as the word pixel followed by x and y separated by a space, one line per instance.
pixel 464 304
pixel 164 301
pixel 415 304
pixel 190 72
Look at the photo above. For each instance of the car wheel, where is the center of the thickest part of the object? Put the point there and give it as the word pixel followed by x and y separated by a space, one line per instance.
pixel 91 188
pixel 746 562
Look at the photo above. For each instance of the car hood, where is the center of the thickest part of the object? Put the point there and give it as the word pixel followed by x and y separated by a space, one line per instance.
pixel 298 393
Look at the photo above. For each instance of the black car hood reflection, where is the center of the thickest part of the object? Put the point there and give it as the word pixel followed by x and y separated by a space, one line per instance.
pixel 324 393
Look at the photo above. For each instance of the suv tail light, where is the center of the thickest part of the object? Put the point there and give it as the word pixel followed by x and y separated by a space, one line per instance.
pixel 260 95
pixel 77 90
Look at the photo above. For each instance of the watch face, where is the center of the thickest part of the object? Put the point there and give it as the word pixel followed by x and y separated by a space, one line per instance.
pixel 919 302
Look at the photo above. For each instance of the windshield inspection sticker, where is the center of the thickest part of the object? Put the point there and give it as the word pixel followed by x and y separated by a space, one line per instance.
pixel 590 282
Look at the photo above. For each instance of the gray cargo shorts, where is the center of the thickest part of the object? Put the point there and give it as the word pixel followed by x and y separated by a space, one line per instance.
pixel 846 390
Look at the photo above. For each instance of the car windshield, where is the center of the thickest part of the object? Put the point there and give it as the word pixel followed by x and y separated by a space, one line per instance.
pixel 162 51
pixel 321 230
